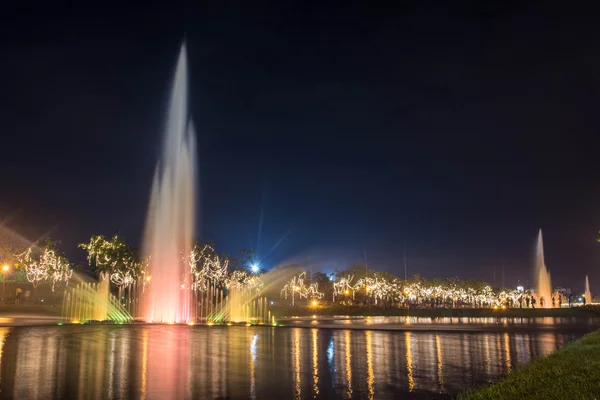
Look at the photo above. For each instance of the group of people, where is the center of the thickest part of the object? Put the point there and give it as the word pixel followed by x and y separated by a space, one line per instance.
pixel 531 301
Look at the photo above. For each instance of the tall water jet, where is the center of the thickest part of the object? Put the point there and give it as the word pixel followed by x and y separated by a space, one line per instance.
pixel 544 283
pixel 588 294
pixel 171 215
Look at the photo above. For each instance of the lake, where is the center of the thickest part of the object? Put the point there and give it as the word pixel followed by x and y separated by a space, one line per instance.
pixel 369 360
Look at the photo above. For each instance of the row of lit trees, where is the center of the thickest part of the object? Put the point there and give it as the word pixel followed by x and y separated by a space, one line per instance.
pixel 124 266
pixel 360 285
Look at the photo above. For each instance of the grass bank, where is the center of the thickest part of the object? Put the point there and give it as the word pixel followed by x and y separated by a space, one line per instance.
pixel 330 310
pixel 573 372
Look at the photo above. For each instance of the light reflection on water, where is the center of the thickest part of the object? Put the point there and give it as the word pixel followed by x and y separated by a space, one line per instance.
pixel 180 362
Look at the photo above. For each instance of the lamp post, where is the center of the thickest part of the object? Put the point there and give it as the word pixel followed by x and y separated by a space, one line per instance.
pixel 4 271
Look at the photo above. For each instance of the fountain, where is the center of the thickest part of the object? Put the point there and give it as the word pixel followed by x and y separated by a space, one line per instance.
pixel 544 283
pixel 90 301
pixel 588 294
pixel 171 215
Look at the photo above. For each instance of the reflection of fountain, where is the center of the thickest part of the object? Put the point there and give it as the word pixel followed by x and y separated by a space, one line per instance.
pixel 544 283
pixel 171 216
pixel 588 294
pixel 92 301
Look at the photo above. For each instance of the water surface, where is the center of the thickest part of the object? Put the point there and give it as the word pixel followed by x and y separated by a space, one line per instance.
pixel 181 362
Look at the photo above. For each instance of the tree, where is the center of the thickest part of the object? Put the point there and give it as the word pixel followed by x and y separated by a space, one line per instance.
pixel 242 261
pixel 324 284
pixel 115 258
pixel 47 265
pixel 358 270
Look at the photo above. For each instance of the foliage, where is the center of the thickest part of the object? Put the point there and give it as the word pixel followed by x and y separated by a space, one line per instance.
pixel 297 286
pixel 242 261
pixel 324 284
pixel 114 257
pixel 45 265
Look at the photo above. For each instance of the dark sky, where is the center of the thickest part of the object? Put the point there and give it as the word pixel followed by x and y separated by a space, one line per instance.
pixel 458 130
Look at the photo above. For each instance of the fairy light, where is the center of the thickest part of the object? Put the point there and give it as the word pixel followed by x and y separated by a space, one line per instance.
pixel 380 287
pixel 116 258
pixel 47 266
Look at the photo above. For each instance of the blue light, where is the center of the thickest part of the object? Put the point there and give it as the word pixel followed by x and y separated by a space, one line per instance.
pixel 254 268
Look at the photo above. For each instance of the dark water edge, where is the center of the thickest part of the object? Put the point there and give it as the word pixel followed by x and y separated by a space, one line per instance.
pixel 185 362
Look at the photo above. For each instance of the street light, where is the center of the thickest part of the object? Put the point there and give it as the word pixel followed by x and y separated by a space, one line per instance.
pixel 4 271
pixel 254 268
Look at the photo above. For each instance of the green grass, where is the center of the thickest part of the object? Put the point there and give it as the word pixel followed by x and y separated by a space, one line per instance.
pixel 573 372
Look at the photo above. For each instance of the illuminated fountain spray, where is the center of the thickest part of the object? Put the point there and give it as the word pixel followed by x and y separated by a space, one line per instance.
pixel 90 301
pixel 588 294
pixel 544 283
pixel 171 216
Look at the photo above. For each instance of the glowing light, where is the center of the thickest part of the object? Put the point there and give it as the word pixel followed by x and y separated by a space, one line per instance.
pixel 116 258
pixel 191 323
pixel 296 284
pixel 148 278
pixel 47 266
pixel 314 303
pixel 5 268
pixel 255 268
pixel 210 323
pixel 409 361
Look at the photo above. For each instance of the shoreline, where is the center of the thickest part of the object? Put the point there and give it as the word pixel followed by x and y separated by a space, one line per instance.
pixel 357 311
pixel 571 372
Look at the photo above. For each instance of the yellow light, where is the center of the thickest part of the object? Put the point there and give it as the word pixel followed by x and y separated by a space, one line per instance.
pixel 210 323
pixel 148 278
pixel 504 307
pixel 191 323
pixel 5 268
pixel 248 324
pixel 495 307
pixel 229 324
pixel 346 292
pixel 314 303
pixel 75 321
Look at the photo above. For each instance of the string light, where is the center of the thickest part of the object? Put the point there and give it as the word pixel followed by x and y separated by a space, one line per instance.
pixel 47 266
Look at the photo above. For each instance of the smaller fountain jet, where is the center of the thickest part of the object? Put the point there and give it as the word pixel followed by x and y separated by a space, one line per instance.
pixel 544 282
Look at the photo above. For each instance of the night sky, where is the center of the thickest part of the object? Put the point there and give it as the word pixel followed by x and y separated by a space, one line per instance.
pixel 456 131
